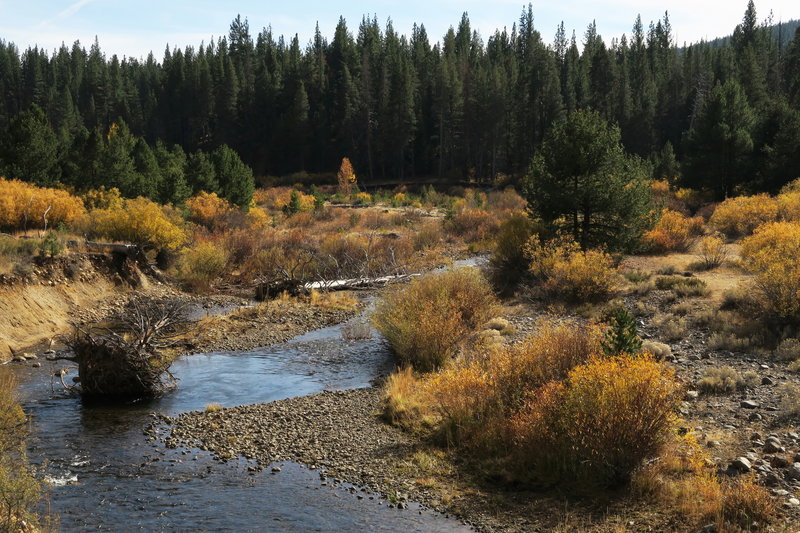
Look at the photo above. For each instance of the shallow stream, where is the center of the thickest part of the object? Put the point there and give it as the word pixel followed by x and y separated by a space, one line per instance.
pixel 108 476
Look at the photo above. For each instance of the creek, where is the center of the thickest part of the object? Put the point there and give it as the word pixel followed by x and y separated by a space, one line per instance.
pixel 107 475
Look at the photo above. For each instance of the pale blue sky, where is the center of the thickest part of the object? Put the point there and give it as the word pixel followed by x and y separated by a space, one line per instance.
pixel 134 27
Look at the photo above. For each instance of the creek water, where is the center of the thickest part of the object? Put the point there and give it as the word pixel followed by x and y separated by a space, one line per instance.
pixel 106 475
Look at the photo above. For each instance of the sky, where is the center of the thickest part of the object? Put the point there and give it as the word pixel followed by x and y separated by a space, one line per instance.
pixel 133 28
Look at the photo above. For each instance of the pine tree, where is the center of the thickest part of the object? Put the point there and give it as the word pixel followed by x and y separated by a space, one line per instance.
pixel 582 182
pixel 29 149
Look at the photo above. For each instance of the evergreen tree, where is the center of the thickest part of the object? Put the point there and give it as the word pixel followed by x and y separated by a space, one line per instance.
pixel 234 177
pixel 719 144
pixel 582 182
pixel 29 149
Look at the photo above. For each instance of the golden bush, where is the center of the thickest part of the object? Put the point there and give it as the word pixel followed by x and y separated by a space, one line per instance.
pixel 258 218
pixel 474 396
pixel 565 271
pixel 139 221
pixel 740 216
pixel 789 205
pixel 600 424
pixel 473 225
pixel 103 198
pixel 207 209
pixel 771 254
pixel 25 206
pixel 712 251
pixel 674 232
pixel 426 320
pixel 201 264
pixel 19 489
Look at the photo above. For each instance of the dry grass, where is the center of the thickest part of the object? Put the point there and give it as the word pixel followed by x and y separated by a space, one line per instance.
pixel 670 327
pixel 725 379
pixel 402 404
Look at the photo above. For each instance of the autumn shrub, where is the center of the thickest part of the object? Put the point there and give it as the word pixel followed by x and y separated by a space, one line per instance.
pixel 426 320
pixel 744 503
pixel 674 232
pixel 19 488
pixel 258 219
pixel 508 263
pixel 25 206
pixel 562 270
pixel 507 200
pixel 139 221
pixel 207 209
pixel 429 235
pixel 740 216
pixel 599 424
pixel 475 396
pixel 201 264
pixel 711 252
pixel 102 198
pixel 402 403
pixel 472 225
pixel 771 254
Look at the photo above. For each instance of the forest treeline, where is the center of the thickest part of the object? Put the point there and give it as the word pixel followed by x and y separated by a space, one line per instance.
pixel 721 115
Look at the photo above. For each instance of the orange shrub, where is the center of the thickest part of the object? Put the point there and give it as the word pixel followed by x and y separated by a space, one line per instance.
pixel 140 221
pixel 741 215
pixel 673 232
pixel 258 219
pixel 473 225
pixel 474 396
pixel 23 205
pixel 600 424
pixel 506 200
pixel 207 209
pixel 789 205
pixel 771 253
pixel 565 271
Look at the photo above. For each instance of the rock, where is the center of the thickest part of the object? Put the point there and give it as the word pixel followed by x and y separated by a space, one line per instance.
pixel 710 528
pixel 779 462
pixel 756 436
pixel 766 380
pixel 749 404
pixel 19 359
pixel 692 395
pixel 276 469
pixel 37 364
pixel 694 357
pixel 29 356
pixel 794 471
pixel 754 417
pixel 794 502
pixel 741 464
pixel 713 444
pixel 796 458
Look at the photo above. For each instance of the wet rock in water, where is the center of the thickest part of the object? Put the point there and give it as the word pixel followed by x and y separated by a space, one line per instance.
pixel 19 359
pixel 37 364
pixel 749 404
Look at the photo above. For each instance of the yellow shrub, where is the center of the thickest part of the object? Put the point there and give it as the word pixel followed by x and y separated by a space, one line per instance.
pixel 399 199
pixel 743 214
pixel 789 205
pixel 19 488
pixel 23 205
pixel 362 198
pixel 564 270
pixel 712 252
pixel 426 320
pixel 601 423
pixel 207 209
pixel 257 218
pixel 200 265
pixel 771 253
pixel 402 404
pixel 673 232
pixel 103 198
pixel 140 221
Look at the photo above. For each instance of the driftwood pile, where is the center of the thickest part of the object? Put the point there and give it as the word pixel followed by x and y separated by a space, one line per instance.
pixel 126 362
